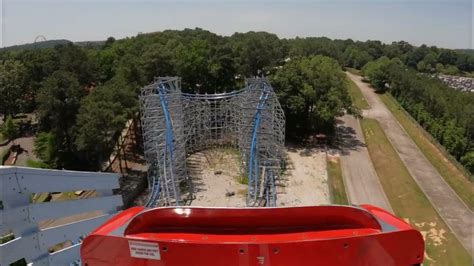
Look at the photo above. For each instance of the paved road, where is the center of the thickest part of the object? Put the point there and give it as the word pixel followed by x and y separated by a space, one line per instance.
pixel 26 141
pixel 360 178
pixel 453 211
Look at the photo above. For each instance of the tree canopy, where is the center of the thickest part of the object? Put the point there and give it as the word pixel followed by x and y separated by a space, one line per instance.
pixel 102 116
pixel 313 92
pixel 12 81
pixel 84 94
pixel 58 103
pixel 9 129
pixel 447 114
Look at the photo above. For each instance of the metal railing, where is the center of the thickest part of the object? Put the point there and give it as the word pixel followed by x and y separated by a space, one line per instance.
pixel 50 233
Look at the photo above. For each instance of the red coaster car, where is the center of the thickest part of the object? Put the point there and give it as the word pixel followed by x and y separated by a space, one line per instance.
pixel 316 235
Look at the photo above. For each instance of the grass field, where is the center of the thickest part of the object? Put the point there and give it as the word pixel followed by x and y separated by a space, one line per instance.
pixel 453 176
pixel 336 182
pixel 4 155
pixel 356 95
pixel 354 71
pixel 66 196
pixel 36 164
pixel 41 197
pixel 409 202
pixel 6 238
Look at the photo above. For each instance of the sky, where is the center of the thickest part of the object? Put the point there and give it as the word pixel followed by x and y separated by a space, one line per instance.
pixel 444 23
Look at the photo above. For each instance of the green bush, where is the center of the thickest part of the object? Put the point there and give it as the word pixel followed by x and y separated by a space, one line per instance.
pixel 468 161
pixel 36 164
pixel 4 155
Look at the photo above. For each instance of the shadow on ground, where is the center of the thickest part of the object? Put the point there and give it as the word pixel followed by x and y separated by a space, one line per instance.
pixel 347 139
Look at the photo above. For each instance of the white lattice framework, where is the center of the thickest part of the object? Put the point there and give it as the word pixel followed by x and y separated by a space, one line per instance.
pixel 33 229
pixel 177 124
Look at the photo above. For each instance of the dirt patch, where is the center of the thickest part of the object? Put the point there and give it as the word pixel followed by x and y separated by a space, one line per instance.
pixel 217 179
pixel 431 232
pixel 305 182
pixel 333 156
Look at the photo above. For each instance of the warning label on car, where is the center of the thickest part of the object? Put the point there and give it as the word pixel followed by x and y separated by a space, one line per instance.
pixel 144 250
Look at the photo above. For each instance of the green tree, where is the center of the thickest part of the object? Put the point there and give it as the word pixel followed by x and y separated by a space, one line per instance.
pixel 257 52
pixel 101 118
pixel 192 64
pixel 71 58
pixel 222 70
pixel 109 41
pixel 445 113
pixel 9 129
pixel 439 68
pixel 392 51
pixel 44 146
pixel 39 64
pixel 468 161
pixel 156 61
pixel 12 81
pixel 379 71
pixel 447 57
pixel 416 55
pixel 421 66
pixel 451 70
pixel 465 62
pixel 301 47
pixel 130 70
pixel 58 77
pixel 355 57
pixel 97 127
pixel 106 59
pixel 430 61
pixel 58 103
pixel 453 139
pixel 313 93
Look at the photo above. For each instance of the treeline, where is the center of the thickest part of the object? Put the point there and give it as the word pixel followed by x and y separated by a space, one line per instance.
pixel 84 95
pixel 80 114
pixel 447 114
pixel 313 92
pixel 356 54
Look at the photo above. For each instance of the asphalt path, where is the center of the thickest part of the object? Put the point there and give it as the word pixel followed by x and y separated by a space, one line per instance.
pixel 448 204
pixel 361 180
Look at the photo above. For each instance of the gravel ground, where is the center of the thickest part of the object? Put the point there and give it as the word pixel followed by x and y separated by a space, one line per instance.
pixel 216 176
pixel 305 182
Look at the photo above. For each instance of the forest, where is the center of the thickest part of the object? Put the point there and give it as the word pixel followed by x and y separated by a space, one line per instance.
pixel 447 114
pixel 84 94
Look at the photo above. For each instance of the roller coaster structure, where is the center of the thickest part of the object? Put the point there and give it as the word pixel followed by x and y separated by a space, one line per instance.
pixel 177 124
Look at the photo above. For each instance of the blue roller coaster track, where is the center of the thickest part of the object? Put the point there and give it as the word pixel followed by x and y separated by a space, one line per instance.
pixel 253 163
pixel 261 173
